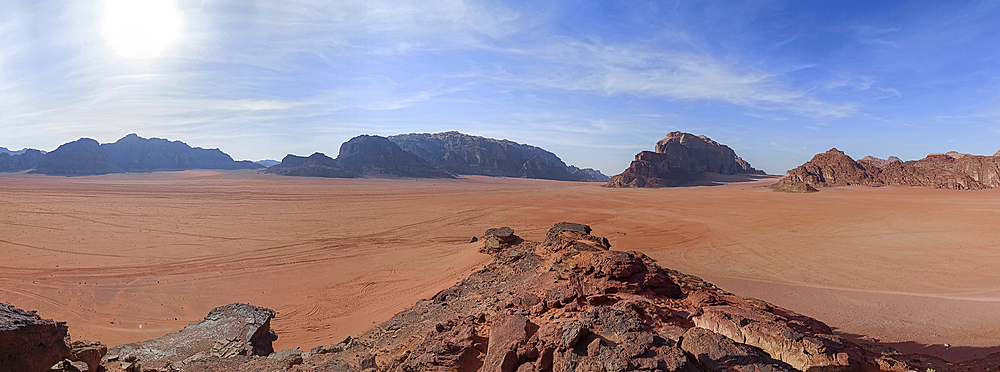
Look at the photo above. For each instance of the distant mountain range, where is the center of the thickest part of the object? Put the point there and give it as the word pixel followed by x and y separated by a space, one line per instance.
pixel 363 156
pixel 129 154
pixel 440 155
pixel 423 155
pixel 4 150
pixel 465 154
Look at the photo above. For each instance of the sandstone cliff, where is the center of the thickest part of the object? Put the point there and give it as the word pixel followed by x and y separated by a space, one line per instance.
pixel 362 156
pixel 681 159
pixel 459 153
pixel 947 171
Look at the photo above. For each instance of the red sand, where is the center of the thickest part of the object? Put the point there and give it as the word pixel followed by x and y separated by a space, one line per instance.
pixel 119 257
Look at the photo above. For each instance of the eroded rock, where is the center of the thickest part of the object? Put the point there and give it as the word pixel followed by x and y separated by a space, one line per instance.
pixel 227 331
pixel 28 342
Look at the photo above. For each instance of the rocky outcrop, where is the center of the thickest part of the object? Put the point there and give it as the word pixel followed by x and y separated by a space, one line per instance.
pixel 570 303
pixel 681 159
pixel 132 154
pixel 363 156
pixel 459 153
pixel 227 331
pixel 950 170
pixel 22 160
pixel 29 343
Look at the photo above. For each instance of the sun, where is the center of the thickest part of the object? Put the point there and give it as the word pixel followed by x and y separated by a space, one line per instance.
pixel 140 29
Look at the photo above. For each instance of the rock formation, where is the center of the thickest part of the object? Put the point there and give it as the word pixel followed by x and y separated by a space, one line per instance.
pixel 459 153
pixel 951 170
pixel 22 160
pixel 132 154
pixel 227 331
pixel 681 159
pixel 30 343
pixel 363 156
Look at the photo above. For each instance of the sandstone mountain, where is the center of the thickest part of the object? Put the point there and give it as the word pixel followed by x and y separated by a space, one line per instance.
pixel 459 153
pixel 568 303
pixel 132 154
pixel 78 158
pixel 951 170
pixel 20 160
pixel 136 154
pixel 681 159
pixel 363 156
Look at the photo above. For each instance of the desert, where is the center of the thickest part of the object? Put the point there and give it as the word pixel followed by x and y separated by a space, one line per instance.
pixel 129 257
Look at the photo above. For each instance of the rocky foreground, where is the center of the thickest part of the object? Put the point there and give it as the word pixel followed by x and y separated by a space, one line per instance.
pixel 568 303
pixel 950 170
pixel 681 159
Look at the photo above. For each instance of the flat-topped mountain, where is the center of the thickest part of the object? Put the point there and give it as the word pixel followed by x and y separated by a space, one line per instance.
pixel 133 154
pixel 681 159
pixel 950 170
pixel 362 156
pixel 459 153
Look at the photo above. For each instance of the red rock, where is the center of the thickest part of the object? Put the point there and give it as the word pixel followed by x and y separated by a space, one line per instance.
pixel 947 171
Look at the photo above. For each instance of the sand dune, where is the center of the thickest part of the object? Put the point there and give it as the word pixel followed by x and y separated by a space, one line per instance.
pixel 130 257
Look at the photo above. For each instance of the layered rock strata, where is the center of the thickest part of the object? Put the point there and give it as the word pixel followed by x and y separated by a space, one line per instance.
pixel 681 159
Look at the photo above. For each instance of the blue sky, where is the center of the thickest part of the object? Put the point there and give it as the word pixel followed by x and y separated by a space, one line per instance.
pixel 595 82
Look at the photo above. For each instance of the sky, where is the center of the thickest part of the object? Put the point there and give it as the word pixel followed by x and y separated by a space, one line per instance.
pixel 594 81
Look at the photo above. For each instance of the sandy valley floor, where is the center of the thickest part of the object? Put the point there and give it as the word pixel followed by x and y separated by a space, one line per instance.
pixel 125 258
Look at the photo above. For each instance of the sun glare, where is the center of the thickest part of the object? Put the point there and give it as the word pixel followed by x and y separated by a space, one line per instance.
pixel 140 29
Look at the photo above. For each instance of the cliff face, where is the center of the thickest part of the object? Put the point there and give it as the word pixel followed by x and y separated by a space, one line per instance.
pixel 362 156
pixel 459 153
pixel 681 159
pixel 132 154
pixel 946 171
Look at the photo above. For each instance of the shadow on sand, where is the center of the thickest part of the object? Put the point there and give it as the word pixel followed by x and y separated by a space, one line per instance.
pixel 953 354
pixel 716 179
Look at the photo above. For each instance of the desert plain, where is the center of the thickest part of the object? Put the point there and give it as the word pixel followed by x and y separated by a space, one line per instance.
pixel 130 257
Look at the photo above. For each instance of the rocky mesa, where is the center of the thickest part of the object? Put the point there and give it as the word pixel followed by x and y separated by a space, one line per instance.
pixel 950 170
pixel 464 154
pixel 567 303
pixel 681 159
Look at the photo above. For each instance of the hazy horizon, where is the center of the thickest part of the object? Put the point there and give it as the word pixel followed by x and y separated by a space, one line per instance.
pixel 595 83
